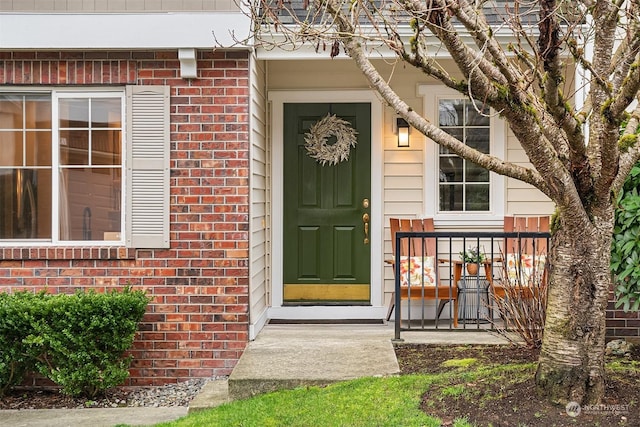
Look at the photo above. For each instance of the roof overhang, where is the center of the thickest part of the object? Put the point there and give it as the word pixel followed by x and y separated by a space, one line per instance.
pixel 281 49
pixel 118 31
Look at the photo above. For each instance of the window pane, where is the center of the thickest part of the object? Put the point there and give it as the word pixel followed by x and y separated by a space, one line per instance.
pixel 25 204
pixel 38 148
pixel 11 148
pixel 74 147
pixel 11 111
pixel 475 173
pixel 450 197
pixel 478 138
pixel 451 169
pixel 477 114
pixel 469 122
pixel 38 112
pixel 106 113
pixel 90 204
pixel 477 197
pixel 457 133
pixel 450 112
pixel 106 147
pixel 74 113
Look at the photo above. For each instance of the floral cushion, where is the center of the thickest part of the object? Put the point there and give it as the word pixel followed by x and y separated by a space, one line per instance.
pixel 415 269
pixel 524 269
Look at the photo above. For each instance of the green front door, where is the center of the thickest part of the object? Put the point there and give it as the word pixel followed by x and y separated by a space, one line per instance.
pixel 327 255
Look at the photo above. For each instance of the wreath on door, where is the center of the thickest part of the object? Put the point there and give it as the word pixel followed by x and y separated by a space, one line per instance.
pixel 318 147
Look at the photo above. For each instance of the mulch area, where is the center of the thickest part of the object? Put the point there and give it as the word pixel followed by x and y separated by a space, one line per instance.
pixel 513 402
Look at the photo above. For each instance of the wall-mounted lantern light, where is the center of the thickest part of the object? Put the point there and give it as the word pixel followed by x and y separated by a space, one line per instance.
pixel 403 132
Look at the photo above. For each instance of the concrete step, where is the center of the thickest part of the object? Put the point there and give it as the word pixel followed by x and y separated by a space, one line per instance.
pixel 214 393
pixel 289 356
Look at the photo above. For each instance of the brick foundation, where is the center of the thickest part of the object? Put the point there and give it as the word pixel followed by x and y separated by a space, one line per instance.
pixel 197 322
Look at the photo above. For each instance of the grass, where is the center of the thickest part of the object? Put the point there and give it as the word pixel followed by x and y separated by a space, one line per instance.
pixel 363 402
pixel 390 401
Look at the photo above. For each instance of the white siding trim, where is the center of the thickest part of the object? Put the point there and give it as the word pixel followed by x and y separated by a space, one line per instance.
pixel 278 99
pixel 257 323
pixel 31 31
pixel 147 167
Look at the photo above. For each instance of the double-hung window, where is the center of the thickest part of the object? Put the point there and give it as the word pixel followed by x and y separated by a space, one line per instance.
pixel 64 157
pixel 456 190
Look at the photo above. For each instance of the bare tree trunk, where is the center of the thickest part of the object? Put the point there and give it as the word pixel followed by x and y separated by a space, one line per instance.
pixel 571 362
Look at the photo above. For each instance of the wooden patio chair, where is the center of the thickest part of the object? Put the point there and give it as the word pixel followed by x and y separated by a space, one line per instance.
pixel 516 249
pixel 419 249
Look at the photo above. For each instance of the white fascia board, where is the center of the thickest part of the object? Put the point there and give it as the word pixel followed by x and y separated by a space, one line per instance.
pixel 47 31
pixel 281 49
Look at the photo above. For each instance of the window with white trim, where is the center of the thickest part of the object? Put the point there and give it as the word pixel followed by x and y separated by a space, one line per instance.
pixel 63 166
pixel 464 186
pixel 456 190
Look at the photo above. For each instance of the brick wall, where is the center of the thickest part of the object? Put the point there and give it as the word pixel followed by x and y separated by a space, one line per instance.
pixel 621 324
pixel 197 322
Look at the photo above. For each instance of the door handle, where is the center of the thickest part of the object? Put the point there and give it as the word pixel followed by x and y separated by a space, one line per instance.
pixel 365 219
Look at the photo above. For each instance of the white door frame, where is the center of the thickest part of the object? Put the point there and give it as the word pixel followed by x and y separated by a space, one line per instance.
pixel 376 310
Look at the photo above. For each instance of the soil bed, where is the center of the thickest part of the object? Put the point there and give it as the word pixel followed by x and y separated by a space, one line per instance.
pixel 511 401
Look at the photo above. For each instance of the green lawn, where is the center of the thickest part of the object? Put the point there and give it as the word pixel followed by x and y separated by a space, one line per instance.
pixel 392 401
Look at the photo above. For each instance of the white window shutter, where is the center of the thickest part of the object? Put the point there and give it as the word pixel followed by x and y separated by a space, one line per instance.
pixel 147 193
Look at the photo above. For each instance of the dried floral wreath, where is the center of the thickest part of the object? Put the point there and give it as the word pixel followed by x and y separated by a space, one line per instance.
pixel 316 140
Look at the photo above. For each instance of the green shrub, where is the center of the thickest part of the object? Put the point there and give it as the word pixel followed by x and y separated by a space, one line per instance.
pixel 625 248
pixel 77 341
pixel 16 353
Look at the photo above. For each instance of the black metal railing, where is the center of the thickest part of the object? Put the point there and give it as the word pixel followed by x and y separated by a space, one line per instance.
pixel 444 279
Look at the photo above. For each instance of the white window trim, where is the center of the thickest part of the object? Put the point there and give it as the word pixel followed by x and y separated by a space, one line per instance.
pixel 145 234
pixel 431 95
pixel 56 94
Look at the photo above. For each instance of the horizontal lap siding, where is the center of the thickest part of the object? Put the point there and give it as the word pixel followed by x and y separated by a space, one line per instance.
pixel 259 188
pixel 197 322
pixel 111 6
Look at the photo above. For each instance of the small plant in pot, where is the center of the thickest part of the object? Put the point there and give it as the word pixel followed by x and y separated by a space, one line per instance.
pixel 472 257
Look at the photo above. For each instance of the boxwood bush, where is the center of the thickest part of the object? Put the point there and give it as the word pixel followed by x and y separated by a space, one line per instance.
pixel 16 356
pixel 77 341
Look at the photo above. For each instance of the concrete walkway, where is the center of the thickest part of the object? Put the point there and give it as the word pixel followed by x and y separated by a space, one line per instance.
pixel 94 417
pixel 282 356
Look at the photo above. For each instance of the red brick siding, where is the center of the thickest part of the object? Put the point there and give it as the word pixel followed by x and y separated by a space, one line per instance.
pixel 197 323
pixel 620 324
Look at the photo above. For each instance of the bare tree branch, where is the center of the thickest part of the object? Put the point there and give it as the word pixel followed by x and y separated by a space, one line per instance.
pixel 355 51
pixel 630 148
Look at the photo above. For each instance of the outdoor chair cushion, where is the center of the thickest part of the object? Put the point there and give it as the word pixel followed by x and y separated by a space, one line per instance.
pixel 414 269
pixel 524 269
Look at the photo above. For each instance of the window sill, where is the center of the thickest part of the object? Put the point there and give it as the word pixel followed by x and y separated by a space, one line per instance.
pixel 67 253
pixel 468 221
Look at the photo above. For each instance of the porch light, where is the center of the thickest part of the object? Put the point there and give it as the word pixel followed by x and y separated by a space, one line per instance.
pixel 403 132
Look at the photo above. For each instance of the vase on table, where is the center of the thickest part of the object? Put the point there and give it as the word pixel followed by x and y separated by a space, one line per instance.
pixel 472 268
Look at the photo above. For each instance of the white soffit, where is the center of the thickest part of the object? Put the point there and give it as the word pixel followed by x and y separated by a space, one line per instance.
pixel 32 31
